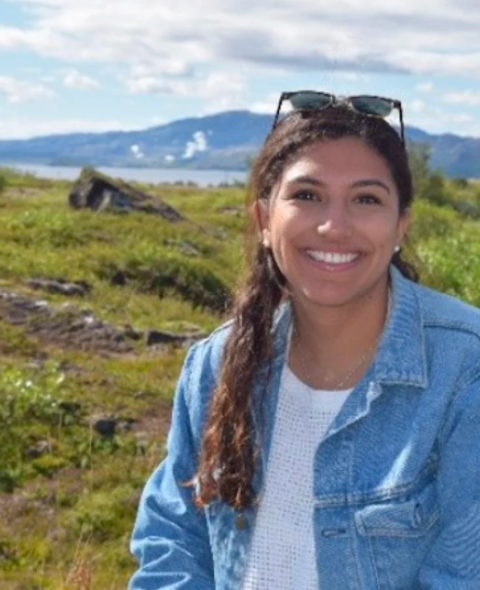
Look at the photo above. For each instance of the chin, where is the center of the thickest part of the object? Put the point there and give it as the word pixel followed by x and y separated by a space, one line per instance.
pixel 335 296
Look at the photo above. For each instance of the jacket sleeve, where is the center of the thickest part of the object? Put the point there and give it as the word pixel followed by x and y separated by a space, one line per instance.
pixel 453 562
pixel 170 539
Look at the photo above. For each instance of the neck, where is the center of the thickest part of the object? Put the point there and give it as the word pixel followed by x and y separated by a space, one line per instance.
pixel 330 343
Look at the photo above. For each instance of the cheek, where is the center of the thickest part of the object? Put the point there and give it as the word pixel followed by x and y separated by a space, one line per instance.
pixel 279 225
pixel 383 229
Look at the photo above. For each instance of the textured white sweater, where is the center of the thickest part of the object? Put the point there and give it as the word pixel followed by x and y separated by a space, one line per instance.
pixel 282 554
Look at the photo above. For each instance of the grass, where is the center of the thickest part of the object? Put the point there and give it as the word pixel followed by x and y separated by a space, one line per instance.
pixel 70 493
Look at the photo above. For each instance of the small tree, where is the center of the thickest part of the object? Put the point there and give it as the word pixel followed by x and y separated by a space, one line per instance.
pixel 428 184
pixel 419 159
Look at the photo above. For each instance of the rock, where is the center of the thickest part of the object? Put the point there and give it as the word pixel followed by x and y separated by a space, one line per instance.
pixel 62 286
pixel 99 192
pixel 119 279
pixel 155 337
pixel 129 332
pixel 40 448
pixel 143 393
pixel 65 326
pixel 68 327
pixel 70 408
pixel 126 423
pixel 105 426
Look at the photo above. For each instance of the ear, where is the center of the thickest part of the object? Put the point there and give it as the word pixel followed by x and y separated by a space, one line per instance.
pixel 403 225
pixel 260 212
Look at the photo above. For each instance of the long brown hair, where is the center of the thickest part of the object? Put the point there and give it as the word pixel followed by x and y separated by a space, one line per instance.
pixel 228 455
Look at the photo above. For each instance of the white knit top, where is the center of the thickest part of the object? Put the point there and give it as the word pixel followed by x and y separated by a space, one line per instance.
pixel 282 554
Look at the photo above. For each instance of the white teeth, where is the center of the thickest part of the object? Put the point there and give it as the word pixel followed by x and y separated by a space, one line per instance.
pixel 332 257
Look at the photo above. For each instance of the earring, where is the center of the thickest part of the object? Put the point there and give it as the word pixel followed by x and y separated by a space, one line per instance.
pixel 266 243
pixel 396 249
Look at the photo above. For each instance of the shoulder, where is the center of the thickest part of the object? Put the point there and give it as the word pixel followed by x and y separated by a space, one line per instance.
pixel 205 356
pixel 430 331
pixel 452 334
pixel 198 380
pixel 444 311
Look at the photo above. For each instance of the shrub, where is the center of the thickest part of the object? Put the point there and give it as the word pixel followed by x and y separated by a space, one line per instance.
pixel 3 183
pixel 457 274
pixel 103 515
pixel 431 221
pixel 30 409
pixel 172 274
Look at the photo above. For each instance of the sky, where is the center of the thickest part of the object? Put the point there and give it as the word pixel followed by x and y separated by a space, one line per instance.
pixel 100 65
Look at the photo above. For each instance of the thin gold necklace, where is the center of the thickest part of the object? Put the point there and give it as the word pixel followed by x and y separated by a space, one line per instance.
pixel 366 353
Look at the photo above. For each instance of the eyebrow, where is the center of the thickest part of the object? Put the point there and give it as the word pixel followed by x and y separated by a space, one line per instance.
pixel 357 184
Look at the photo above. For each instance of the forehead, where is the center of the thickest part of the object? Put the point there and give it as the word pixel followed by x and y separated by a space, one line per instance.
pixel 346 158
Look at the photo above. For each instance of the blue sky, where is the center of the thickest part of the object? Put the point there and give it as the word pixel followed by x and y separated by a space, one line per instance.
pixel 97 65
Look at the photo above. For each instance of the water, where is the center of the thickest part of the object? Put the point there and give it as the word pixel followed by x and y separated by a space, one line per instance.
pixel 146 175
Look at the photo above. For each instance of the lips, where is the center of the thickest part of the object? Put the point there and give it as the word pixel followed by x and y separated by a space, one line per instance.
pixel 333 258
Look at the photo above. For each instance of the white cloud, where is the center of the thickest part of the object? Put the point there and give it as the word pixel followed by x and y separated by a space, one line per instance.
pixel 350 76
pixel 148 39
pixel 458 118
pixel 18 91
pixel 465 97
pixel 417 106
pixel 268 106
pixel 74 79
pixel 424 87
pixel 196 145
pixel 11 128
pixel 221 90
pixel 436 120
pixel 155 121
pixel 148 85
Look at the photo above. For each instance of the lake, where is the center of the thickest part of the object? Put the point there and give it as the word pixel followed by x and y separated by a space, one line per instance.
pixel 147 175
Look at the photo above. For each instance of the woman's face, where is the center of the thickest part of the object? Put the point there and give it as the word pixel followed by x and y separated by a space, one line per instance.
pixel 333 222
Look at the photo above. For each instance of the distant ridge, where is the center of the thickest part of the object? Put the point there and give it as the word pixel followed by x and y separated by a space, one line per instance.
pixel 224 140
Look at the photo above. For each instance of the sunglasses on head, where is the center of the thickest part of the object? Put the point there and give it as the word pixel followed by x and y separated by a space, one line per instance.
pixel 372 106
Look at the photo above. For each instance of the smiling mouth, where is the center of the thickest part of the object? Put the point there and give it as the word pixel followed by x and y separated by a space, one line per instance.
pixel 333 258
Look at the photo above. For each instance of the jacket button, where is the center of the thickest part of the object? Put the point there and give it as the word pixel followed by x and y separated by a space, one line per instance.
pixel 334 532
pixel 241 522
pixel 418 515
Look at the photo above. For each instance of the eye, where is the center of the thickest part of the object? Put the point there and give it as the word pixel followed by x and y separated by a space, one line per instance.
pixel 304 195
pixel 368 199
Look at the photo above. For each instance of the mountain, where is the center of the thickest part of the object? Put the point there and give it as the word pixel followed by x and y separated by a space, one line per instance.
pixel 224 141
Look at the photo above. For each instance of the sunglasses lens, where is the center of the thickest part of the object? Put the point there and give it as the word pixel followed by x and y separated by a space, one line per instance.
pixel 310 100
pixel 372 105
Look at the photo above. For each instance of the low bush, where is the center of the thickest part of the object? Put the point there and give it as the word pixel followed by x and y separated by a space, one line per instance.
pixel 172 274
pixel 30 412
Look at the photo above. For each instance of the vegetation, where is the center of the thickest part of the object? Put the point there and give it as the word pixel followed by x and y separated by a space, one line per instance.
pixel 80 430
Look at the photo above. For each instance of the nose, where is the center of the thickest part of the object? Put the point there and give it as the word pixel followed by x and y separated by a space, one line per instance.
pixel 336 222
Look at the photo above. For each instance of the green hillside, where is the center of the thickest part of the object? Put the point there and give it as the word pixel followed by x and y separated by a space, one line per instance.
pixel 85 398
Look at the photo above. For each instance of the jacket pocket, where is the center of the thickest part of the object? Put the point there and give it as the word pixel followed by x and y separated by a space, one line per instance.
pixel 407 518
pixel 396 535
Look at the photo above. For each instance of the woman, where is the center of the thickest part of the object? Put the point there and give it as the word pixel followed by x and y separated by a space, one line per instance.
pixel 327 437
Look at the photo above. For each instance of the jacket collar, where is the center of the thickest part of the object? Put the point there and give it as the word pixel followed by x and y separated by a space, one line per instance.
pixel 401 354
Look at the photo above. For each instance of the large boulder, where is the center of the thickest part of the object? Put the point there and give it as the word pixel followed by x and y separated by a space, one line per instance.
pixel 99 192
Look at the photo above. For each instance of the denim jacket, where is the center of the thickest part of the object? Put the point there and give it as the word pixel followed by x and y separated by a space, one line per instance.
pixel 396 478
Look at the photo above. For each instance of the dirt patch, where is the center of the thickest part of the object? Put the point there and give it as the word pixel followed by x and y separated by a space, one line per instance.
pixel 68 327
pixel 64 326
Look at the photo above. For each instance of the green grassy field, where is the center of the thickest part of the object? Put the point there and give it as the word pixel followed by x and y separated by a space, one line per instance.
pixel 68 493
